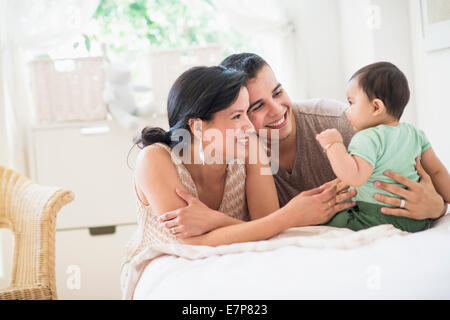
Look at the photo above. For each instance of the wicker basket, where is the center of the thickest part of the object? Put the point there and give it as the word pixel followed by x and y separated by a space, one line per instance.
pixel 68 89
pixel 167 65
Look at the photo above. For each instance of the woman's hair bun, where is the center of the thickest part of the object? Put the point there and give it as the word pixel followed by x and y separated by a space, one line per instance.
pixel 151 135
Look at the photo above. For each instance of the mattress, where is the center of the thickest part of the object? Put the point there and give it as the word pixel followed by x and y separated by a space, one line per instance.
pixel 396 265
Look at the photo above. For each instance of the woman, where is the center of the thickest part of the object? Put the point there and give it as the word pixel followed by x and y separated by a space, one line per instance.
pixel 202 99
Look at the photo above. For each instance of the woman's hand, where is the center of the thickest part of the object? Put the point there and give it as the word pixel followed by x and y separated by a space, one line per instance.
pixel 316 206
pixel 343 195
pixel 421 199
pixel 193 220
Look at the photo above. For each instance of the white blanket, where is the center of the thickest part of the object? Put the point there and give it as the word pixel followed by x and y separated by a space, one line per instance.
pixel 302 263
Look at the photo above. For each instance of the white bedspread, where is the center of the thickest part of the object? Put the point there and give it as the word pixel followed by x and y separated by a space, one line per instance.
pixel 308 263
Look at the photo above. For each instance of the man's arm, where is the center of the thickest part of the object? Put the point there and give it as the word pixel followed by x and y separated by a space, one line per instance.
pixel 438 173
pixel 196 218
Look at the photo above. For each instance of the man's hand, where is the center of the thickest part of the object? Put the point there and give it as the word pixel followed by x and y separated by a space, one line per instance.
pixel 421 199
pixel 193 220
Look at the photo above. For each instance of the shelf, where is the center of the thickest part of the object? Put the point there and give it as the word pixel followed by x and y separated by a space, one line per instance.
pixel 143 120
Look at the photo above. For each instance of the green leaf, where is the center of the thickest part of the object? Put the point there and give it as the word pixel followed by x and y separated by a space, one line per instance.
pixel 159 24
pixel 87 42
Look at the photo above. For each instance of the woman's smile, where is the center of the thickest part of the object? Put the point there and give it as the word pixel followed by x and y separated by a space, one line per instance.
pixel 243 141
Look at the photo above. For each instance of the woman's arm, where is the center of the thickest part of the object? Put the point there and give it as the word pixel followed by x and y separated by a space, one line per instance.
pixel 261 193
pixel 193 217
pixel 421 199
pixel 157 178
pixel 351 170
pixel 311 207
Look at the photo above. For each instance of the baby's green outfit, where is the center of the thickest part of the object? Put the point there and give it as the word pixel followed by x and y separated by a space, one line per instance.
pixel 385 148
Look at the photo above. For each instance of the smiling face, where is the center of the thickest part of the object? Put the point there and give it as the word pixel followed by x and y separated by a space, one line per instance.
pixel 270 107
pixel 361 111
pixel 234 122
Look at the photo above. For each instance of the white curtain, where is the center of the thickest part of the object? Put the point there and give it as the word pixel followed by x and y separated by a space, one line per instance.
pixel 273 36
pixel 29 27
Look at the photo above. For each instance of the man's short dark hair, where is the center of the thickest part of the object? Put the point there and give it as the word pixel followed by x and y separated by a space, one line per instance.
pixel 249 63
pixel 385 81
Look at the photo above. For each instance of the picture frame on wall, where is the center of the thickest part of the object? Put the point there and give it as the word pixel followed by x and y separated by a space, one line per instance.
pixel 436 24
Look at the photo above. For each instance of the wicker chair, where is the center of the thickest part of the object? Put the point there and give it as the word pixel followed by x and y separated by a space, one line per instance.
pixel 29 210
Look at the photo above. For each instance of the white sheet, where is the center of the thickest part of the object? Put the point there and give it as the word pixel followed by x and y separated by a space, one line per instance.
pixel 413 266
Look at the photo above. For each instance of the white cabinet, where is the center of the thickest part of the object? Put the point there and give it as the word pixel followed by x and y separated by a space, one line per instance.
pixel 91 160
pixel 87 266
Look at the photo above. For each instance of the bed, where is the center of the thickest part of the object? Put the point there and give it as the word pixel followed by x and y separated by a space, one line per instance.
pixel 307 263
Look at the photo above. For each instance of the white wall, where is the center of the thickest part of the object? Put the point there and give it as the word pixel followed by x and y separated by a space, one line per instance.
pixel 335 38
pixel 357 43
pixel 432 87
pixel 318 48
pixel 377 30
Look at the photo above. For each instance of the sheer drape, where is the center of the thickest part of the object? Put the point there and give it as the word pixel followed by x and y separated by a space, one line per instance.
pixel 272 34
pixel 35 26
pixel 29 27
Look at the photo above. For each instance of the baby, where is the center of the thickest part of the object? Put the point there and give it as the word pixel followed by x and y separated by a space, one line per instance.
pixel 378 94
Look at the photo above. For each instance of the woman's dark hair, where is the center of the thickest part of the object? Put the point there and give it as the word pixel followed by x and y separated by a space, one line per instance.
pixel 249 63
pixel 199 92
pixel 385 81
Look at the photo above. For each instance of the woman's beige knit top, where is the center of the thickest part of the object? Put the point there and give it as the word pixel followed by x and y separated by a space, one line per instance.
pixel 150 231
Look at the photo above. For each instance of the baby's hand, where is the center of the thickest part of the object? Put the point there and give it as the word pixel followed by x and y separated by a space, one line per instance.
pixel 329 136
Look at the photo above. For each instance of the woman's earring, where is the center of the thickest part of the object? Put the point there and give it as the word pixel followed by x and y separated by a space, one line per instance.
pixel 201 153
pixel 198 127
